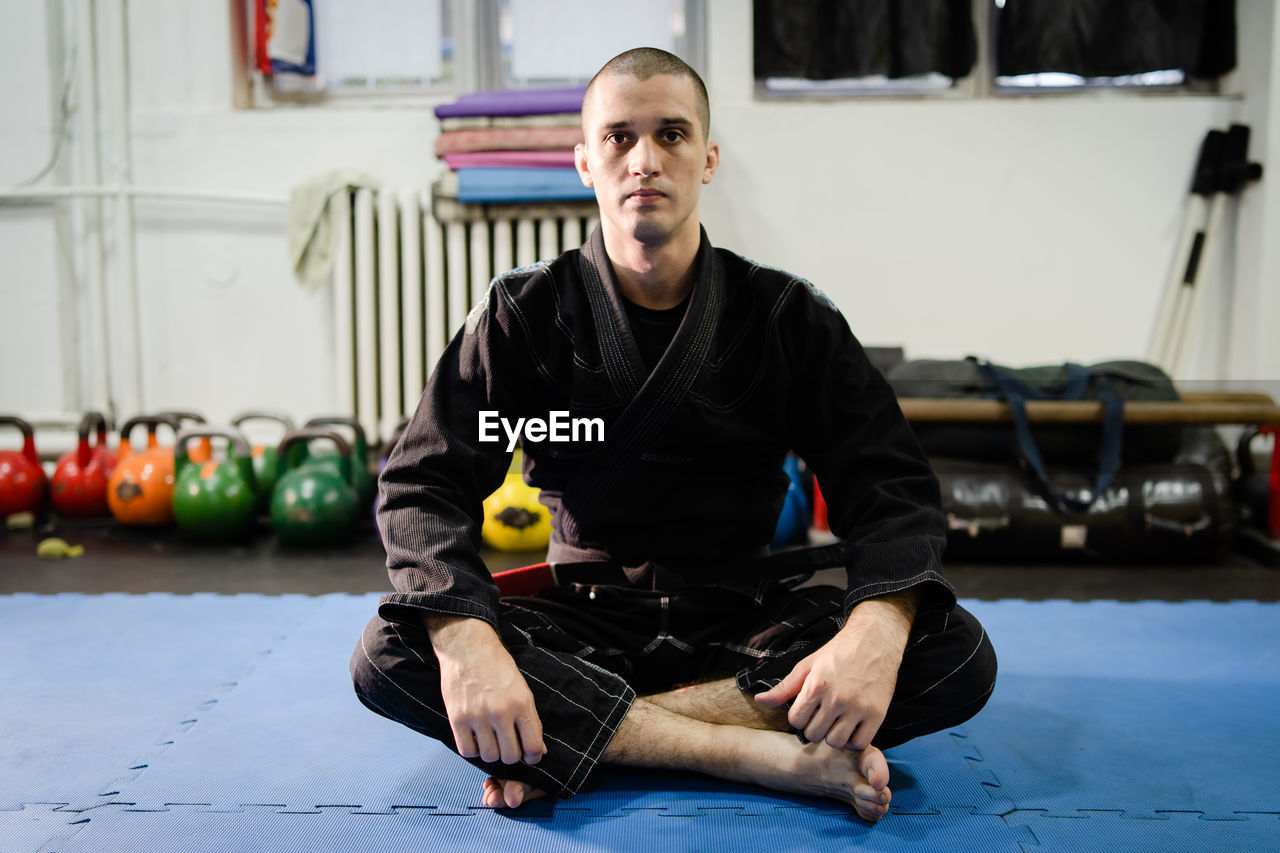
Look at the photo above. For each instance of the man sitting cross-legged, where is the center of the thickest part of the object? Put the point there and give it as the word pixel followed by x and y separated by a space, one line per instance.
pixel 673 640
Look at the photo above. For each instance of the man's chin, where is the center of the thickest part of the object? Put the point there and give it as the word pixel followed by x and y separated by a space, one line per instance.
pixel 649 232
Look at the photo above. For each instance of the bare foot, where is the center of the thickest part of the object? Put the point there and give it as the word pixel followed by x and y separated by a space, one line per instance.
pixel 510 794
pixel 859 779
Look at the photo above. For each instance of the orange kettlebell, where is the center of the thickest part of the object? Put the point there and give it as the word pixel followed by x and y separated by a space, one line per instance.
pixel 22 481
pixel 140 490
pixel 79 486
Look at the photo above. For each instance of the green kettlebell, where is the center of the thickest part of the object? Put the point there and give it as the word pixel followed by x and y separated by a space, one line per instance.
pixel 264 455
pixel 214 500
pixel 365 484
pixel 314 502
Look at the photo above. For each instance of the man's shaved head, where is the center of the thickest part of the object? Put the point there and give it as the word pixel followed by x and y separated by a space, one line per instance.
pixel 645 62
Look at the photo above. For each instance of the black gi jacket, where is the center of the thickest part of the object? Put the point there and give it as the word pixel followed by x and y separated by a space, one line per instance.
pixel 773 367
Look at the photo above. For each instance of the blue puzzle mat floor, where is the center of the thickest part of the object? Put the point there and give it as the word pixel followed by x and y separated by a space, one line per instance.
pixel 204 722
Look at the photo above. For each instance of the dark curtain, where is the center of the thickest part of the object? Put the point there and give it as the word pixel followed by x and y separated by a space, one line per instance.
pixel 829 39
pixel 1109 38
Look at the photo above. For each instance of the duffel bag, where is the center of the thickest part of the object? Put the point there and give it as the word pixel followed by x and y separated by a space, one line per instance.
pixel 1104 446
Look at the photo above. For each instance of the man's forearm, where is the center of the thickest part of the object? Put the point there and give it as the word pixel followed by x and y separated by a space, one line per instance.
pixel 453 635
pixel 898 607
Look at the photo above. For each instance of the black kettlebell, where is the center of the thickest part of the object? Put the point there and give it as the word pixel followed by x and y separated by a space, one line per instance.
pixel 1253 487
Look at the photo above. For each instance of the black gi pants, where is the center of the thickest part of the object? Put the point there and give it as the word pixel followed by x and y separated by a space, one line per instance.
pixel 587 650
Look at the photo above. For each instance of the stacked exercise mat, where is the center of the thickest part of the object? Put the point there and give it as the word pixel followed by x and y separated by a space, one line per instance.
pixel 511 146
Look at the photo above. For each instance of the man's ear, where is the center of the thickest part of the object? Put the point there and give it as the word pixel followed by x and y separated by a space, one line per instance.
pixel 713 162
pixel 580 163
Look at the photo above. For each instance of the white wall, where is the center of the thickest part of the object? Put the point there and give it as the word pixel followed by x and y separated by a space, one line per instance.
pixel 1027 230
pixel 33 375
pixel 1253 347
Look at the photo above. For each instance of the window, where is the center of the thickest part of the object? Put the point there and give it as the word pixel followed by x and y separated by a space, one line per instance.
pixel 807 48
pixel 824 47
pixel 342 49
pixel 1127 44
pixel 566 41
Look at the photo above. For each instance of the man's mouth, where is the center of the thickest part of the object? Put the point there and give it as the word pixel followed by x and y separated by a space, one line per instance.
pixel 646 195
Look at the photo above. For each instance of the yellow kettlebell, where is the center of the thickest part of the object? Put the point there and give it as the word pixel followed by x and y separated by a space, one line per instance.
pixel 514 520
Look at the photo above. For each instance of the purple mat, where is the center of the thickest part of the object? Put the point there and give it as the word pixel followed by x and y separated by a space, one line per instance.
pixel 514 102
pixel 519 159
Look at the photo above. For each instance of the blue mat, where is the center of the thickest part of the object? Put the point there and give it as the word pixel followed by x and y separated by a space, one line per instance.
pixel 515 184
pixel 215 723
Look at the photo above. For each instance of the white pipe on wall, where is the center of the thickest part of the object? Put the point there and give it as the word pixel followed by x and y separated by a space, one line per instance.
pixel 69 302
pixel 126 342
pixel 96 351
pixel 51 194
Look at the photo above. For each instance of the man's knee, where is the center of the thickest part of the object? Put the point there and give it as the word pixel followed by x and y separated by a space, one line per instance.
pixel 947 676
pixel 395 678
pixel 960 665
pixel 370 653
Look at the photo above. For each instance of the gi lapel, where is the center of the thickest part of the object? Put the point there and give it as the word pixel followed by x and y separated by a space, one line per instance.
pixel 653 400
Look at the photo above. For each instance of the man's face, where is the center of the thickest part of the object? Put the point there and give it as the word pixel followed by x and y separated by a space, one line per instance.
pixel 646 155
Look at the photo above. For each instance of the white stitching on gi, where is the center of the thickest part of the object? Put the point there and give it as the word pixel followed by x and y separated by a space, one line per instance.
pixel 402 642
pixel 755 653
pixel 981 636
pixel 902 584
pixel 558 783
pixel 582 674
pixel 566 698
pixel 942 713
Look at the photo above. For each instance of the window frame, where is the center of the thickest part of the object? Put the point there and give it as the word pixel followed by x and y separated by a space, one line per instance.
pixel 477 62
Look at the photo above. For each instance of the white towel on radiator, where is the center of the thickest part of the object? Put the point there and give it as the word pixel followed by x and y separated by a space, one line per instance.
pixel 310 232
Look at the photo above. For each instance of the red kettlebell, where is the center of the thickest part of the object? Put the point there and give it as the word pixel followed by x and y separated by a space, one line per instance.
pixel 79 487
pixel 23 483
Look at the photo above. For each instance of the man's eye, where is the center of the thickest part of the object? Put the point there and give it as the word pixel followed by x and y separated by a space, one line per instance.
pixel 616 138
pixel 673 136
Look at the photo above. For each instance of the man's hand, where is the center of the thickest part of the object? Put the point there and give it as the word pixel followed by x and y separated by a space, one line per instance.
pixel 842 690
pixel 491 710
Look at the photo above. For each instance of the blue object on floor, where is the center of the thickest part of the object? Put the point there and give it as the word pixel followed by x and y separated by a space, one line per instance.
pixel 1113 727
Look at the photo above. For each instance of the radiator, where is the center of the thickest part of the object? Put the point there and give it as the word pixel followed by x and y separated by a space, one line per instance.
pixel 404 282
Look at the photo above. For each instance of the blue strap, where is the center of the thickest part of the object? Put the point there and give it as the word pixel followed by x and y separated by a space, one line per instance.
pixel 1014 391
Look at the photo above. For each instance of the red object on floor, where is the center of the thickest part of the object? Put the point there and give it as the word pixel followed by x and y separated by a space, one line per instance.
pixel 819 508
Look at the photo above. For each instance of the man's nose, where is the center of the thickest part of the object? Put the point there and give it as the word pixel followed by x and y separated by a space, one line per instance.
pixel 644 158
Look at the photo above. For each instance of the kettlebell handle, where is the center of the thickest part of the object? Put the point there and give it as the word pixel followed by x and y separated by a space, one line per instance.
pixel 150 422
pixel 234 437
pixel 338 420
pixel 279 417
pixel 307 434
pixel 28 437
pixel 180 417
pixel 91 421
pixel 241 455
pixel 1244 457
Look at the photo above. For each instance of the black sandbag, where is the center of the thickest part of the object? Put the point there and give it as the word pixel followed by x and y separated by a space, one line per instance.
pixel 1076 444
pixel 1175 511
